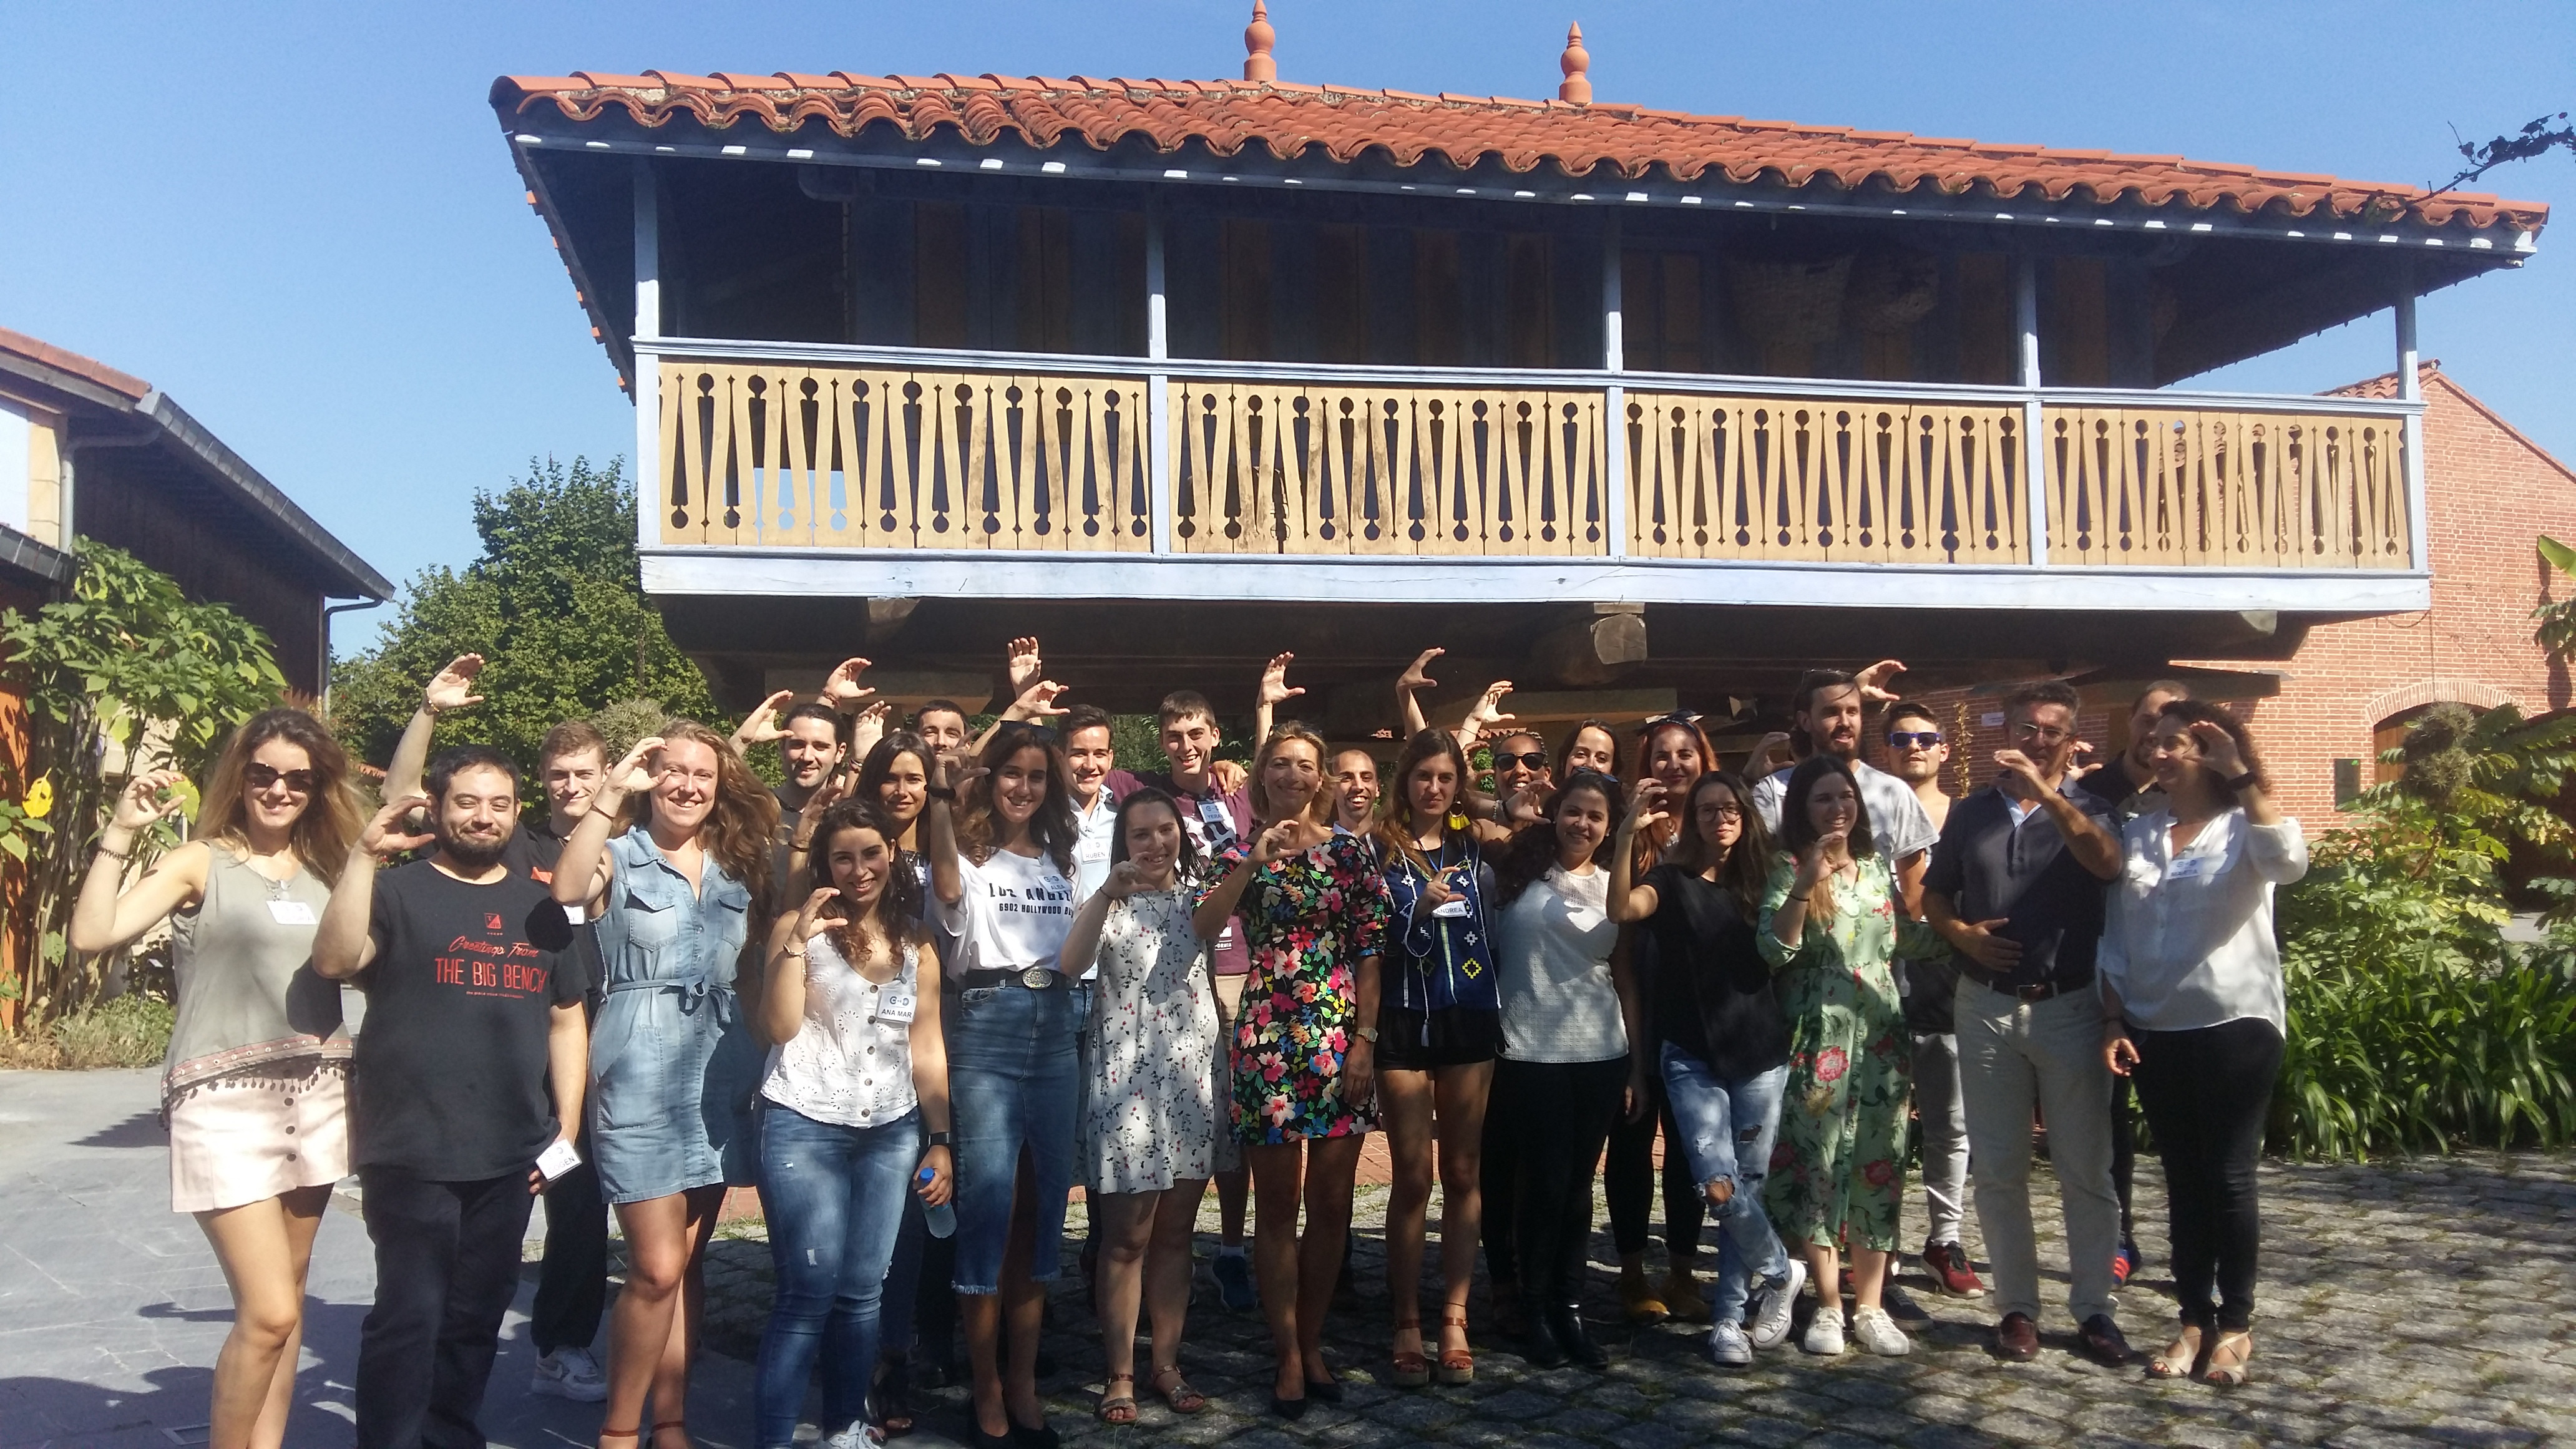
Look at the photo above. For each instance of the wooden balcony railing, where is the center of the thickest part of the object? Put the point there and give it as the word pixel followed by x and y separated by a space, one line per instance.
pixel 818 455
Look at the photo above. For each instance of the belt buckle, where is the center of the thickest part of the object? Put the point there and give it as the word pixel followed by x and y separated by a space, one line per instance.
pixel 1035 978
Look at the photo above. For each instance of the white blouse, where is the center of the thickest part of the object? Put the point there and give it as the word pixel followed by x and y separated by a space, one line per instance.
pixel 850 1063
pixel 1553 944
pixel 2189 942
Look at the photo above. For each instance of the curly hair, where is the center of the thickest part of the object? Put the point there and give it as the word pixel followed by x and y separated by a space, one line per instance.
pixel 331 819
pixel 897 912
pixel 1052 827
pixel 741 823
pixel 1532 851
pixel 2193 711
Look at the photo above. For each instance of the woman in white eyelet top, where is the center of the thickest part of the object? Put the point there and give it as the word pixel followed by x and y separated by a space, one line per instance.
pixel 847 1065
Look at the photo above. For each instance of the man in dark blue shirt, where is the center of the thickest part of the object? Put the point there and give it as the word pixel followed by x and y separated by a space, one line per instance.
pixel 2016 888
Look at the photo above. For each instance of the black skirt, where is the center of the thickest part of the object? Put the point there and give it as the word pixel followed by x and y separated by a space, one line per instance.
pixel 1419 1041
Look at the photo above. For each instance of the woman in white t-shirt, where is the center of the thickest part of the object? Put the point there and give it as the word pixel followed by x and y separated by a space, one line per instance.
pixel 858 1073
pixel 1563 1076
pixel 1001 880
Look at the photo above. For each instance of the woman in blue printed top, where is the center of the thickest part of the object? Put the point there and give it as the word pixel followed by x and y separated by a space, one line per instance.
pixel 1440 1026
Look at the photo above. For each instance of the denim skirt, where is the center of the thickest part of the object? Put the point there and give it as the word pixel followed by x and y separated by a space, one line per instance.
pixel 1014 1082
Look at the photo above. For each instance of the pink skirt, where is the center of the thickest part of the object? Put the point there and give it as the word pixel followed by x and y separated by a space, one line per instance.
pixel 260 1134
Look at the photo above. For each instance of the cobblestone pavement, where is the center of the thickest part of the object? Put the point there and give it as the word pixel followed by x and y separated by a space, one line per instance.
pixel 2423 1302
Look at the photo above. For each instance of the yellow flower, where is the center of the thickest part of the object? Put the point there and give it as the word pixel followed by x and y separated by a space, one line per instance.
pixel 40 799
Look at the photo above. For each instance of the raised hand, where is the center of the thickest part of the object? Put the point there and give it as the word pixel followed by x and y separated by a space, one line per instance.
pixel 2076 769
pixel 814 913
pixel 2021 779
pixel 631 774
pixel 869 728
pixel 836 787
pixel 1413 678
pixel 1487 712
pixel 384 835
pixel 1275 689
pixel 1526 805
pixel 1767 749
pixel 1228 776
pixel 761 727
pixel 1647 811
pixel 1276 843
pixel 2218 749
pixel 1126 878
pixel 953 771
pixel 1873 681
pixel 1436 892
pixel 453 687
pixel 1025 663
pixel 1038 701
pixel 841 688
pixel 1813 862
pixel 141 803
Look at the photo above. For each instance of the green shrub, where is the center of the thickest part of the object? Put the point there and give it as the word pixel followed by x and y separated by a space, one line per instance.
pixel 132 1030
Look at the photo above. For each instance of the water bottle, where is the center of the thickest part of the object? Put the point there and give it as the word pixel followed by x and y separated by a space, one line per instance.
pixel 940 1219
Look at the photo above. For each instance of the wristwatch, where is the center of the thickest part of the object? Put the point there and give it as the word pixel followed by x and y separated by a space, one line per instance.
pixel 1369 1034
pixel 938 1139
pixel 2241 781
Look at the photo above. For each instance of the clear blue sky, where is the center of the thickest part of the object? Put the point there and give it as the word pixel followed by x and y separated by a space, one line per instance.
pixel 300 220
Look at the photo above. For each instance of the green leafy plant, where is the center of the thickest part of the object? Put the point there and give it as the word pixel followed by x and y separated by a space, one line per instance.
pixel 124 674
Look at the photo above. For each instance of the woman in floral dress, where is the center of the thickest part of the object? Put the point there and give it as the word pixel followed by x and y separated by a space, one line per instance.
pixel 1304 1064
pixel 1830 928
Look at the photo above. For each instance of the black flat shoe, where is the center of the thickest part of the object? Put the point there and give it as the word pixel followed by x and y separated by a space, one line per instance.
pixel 1289 1409
pixel 1537 1346
pixel 1328 1391
pixel 976 1438
pixel 1041 1437
pixel 1565 1325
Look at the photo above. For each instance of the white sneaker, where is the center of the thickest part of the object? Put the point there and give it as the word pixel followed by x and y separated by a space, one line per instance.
pixel 861 1435
pixel 1874 1331
pixel 1824 1332
pixel 1779 1305
pixel 1728 1347
pixel 570 1373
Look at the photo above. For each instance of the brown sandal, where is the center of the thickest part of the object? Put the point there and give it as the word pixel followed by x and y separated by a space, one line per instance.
pixel 2229 1375
pixel 1412 1370
pixel 1457 1365
pixel 2178 1359
pixel 1180 1396
pixel 1117 1409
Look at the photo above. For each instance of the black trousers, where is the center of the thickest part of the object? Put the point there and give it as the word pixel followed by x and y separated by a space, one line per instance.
pixel 1630 1180
pixel 572 1281
pixel 1550 1120
pixel 2206 1093
pixel 2124 1156
pixel 447 1263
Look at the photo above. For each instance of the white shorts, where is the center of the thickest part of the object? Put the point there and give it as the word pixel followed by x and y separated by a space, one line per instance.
pixel 258 1135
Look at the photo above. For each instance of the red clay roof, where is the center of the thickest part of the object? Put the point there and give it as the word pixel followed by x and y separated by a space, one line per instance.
pixel 75 364
pixel 1344 123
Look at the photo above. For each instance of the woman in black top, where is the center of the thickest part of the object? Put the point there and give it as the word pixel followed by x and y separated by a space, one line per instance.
pixel 1714 1033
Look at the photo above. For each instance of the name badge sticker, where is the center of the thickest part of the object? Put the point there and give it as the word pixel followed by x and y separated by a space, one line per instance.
pixel 293 913
pixel 2192 867
pixel 557 1160
pixel 1453 907
pixel 895 1006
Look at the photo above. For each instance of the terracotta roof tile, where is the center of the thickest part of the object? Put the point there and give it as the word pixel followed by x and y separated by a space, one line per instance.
pixel 1344 123
pixel 62 360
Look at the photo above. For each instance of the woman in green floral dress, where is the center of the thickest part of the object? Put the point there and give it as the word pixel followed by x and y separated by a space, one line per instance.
pixel 1830 927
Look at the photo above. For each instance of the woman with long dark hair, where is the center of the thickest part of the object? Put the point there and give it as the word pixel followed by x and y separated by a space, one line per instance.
pixel 2193 1006
pixel 1149 1100
pixel 673 1062
pixel 1672 753
pixel 1440 1024
pixel 255 1089
pixel 1001 878
pixel 1304 1054
pixel 1563 1076
pixel 858 1073
pixel 1714 1034
pixel 1831 928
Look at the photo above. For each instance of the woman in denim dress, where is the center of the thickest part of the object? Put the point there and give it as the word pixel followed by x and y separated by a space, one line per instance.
pixel 673 1064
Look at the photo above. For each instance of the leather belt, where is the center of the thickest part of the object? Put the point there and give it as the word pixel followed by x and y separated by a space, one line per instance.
pixel 1035 978
pixel 2044 991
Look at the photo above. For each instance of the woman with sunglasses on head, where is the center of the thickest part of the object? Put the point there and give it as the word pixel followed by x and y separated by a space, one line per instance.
pixel 255 1090
pixel 673 1063
pixel 859 1070
pixel 1149 1100
pixel 1304 1049
pixel 1001 877
pixel 1562 1079
pixel 1671 754
pixel 1832 925
pixel 1714 1034
pixel 2193 1007
pixel 1440 1024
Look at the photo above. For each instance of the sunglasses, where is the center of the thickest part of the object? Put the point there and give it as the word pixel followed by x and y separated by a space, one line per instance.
pixel 1918 739
pixel 260 777
pixel 1534 760
pixel 1677 717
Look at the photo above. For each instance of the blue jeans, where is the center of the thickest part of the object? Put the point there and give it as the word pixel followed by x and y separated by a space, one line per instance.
pixel 835 1197
pixel 1014 1082
pixel 1727 1129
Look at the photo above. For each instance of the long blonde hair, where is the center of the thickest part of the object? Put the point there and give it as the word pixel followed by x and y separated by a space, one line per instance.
pixel 332 818
pixel 1319 810
pixel 741 823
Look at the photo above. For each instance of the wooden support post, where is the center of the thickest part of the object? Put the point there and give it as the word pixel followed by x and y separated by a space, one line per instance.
pixel 1593 649
pixel 2034 452
pixel 650 466
pixel 2411 389
pixel 1158 385
pixel 1614 401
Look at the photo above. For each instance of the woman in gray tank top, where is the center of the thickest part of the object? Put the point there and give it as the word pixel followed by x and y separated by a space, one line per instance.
pixel 256 1086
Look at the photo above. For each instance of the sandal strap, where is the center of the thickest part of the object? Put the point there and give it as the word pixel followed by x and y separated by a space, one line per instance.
pixel 670 1424
pixel 635 1433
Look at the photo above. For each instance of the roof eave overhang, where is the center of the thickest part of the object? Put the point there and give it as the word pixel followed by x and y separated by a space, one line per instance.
pixel 348 575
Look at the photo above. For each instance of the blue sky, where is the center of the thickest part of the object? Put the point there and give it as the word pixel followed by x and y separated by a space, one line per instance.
pixel 299 219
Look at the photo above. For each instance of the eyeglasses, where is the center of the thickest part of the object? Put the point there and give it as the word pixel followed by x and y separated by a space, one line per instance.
pixel 1727 812
pixel 1913 739
pixel 1533 760
pixel 260 777
pixel 2045 734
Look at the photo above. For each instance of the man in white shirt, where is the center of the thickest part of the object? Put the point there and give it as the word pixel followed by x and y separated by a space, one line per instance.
pixel 1828 713
pixel 1089 757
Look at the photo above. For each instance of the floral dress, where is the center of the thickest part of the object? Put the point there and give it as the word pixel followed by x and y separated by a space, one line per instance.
pixel 1149 1110
pixel 1838 1171
pixel 1309 919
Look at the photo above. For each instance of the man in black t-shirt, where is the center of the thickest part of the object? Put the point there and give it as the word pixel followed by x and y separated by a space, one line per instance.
pixel 470 1069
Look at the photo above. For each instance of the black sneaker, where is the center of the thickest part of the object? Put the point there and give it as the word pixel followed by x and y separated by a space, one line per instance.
pixel 1234 1286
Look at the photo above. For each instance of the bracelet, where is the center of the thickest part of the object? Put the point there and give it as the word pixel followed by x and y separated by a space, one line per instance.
pixel 2241 781
pixel 608 814
pixel 1784 900
pixel 943 792
pixel 801 846
pixel 793 953
pixel 126 855
pixel 938 1139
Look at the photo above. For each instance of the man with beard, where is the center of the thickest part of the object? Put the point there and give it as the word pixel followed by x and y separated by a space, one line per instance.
pixel 467 1075
pixel 1827 712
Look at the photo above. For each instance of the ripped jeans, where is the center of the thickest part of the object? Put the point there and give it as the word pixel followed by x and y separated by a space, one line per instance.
pixel 835 1197
pixel 1727 1129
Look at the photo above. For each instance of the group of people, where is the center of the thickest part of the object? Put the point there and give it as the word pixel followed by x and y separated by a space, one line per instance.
pixel 929 986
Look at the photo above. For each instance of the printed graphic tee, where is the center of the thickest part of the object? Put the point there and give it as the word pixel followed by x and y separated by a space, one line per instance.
pixel 1013 911
pixel 450 1074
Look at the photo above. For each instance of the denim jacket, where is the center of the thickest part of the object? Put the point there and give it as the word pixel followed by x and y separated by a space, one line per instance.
pixel 657 933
